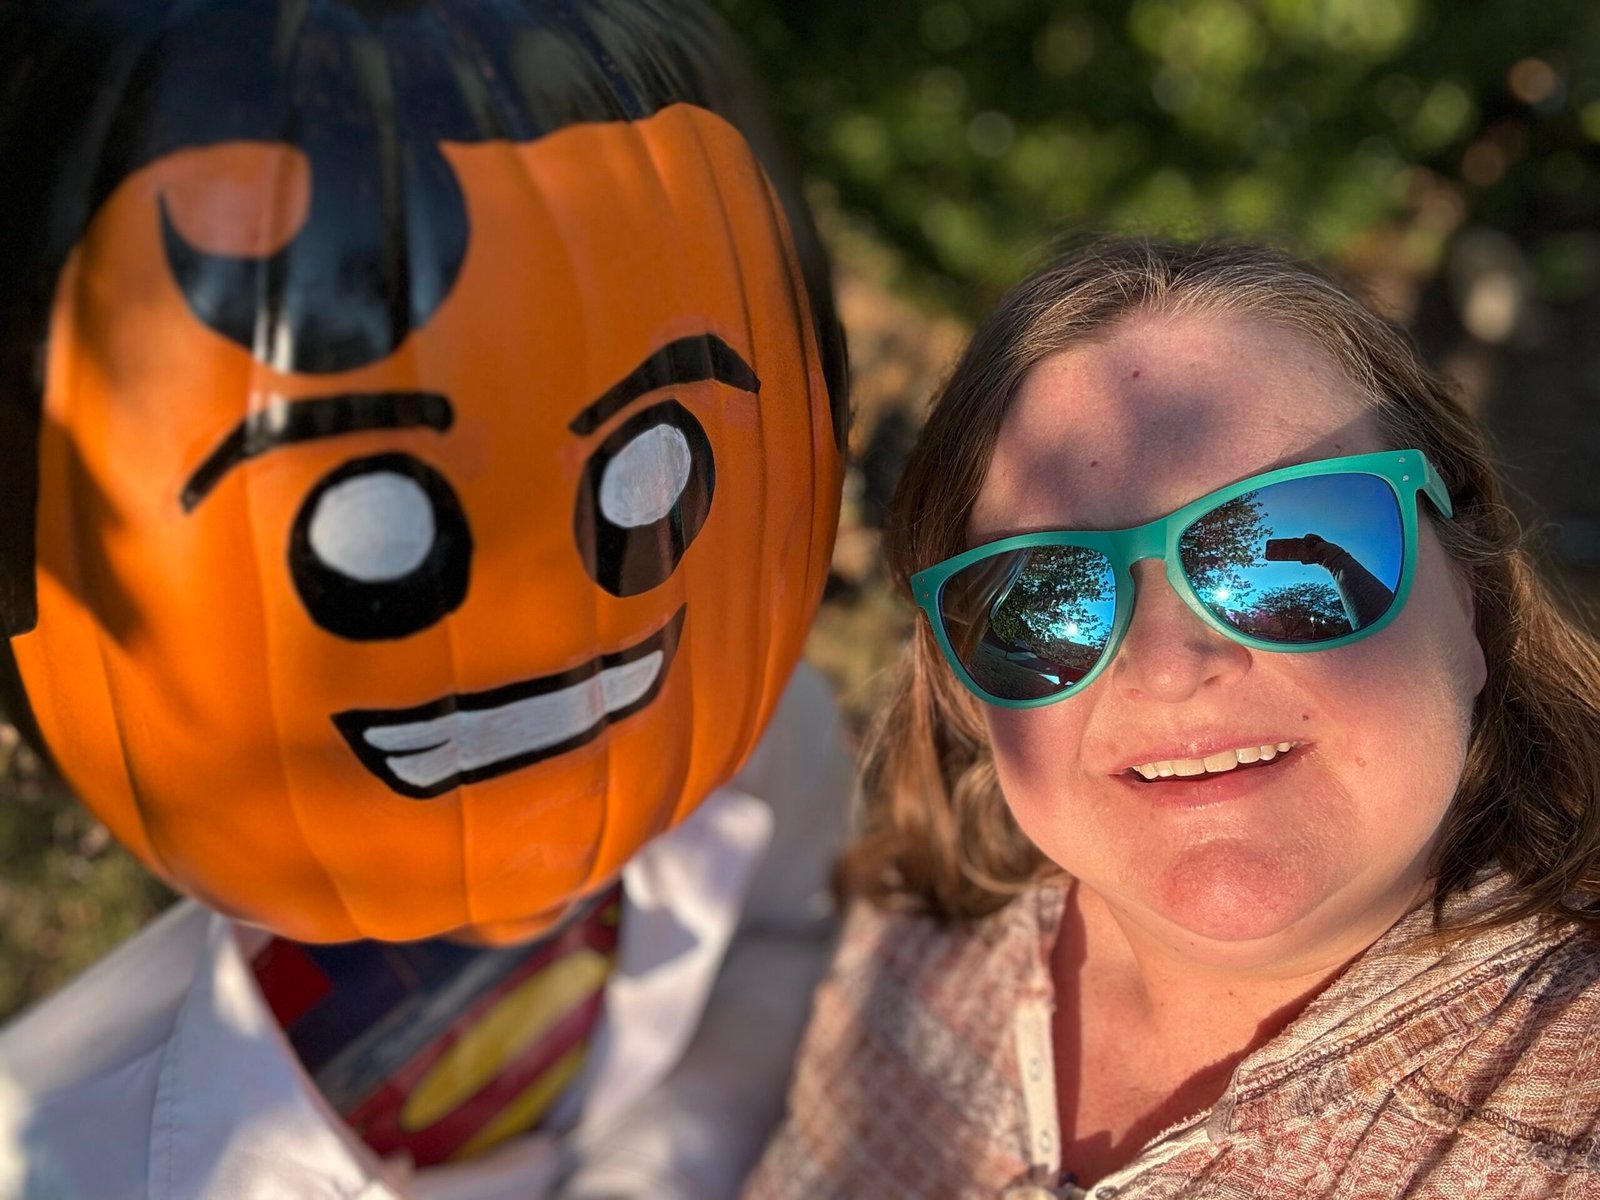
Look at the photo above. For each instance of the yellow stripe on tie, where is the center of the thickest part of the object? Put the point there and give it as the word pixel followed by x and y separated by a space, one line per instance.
pixel 524 1016
pixel 523 1112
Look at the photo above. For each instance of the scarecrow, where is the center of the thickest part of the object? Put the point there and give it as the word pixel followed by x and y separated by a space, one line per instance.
pixel 423 430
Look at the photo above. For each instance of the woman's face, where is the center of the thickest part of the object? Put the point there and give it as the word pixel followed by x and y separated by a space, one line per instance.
pixel 1298 862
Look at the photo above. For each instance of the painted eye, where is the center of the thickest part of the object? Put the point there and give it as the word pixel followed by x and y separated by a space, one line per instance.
pixel 380 549
pixel 642 483
pixel 645 493
pixel 375 528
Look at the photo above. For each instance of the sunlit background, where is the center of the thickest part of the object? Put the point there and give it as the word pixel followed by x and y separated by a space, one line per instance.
pixel 1446 153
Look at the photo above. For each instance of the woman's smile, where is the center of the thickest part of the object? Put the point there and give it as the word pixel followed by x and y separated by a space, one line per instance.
pixel 1262 771
pixel 1185 765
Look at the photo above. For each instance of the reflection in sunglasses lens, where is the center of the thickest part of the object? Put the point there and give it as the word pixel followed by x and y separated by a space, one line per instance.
pixel 1030 623
pixel 1306 560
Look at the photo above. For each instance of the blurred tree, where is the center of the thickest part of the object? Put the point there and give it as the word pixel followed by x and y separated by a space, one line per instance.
pixel 966 132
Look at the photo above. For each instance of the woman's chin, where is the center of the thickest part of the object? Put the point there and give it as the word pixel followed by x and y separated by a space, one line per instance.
pixel 1232 893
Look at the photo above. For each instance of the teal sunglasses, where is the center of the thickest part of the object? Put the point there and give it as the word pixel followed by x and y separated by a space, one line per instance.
pixel 1308 557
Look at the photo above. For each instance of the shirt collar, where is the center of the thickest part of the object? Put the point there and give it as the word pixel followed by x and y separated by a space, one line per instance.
pixel 234 1113
pixel 684 893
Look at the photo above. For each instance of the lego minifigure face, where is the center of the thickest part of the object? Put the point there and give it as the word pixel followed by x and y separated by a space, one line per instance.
pixel 437 642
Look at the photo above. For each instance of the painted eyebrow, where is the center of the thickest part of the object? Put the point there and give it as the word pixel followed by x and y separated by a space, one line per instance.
pixel 687 360
pixel 288 422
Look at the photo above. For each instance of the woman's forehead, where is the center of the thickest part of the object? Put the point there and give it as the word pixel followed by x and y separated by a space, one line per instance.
pixel 1163 409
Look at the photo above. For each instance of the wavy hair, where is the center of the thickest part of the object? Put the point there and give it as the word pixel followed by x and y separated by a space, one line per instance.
pixel 937 836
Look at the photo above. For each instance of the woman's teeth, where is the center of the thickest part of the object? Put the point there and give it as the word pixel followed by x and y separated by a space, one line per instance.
pixel 1211 764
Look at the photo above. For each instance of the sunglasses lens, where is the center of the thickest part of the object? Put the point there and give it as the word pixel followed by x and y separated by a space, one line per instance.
pixel 1303 561
pixel 1030 623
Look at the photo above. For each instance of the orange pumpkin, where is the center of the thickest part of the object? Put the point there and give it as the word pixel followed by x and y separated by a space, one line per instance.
pixel 413 593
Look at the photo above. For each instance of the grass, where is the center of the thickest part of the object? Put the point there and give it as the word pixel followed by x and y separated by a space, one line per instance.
pixel 68 892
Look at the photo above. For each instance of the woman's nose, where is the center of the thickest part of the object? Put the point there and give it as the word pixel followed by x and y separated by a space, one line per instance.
pixel 1169 653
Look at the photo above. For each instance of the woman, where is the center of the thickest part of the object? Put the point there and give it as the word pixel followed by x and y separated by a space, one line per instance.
pixel 1234 829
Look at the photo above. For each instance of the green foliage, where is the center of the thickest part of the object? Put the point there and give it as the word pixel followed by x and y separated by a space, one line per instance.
pixel 1222 543
pixel 1061 601
pixel 968 132
pixel 1304 610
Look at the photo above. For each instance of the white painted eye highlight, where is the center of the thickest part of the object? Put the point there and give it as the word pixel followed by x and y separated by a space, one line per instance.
pixel 644 479
pixel 373 528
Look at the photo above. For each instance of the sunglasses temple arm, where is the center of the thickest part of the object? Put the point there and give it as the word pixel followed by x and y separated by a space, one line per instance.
pixel 1434 486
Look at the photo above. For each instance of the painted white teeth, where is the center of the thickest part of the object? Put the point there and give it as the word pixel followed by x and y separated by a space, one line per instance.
pixel 425 752
pixel 1212 764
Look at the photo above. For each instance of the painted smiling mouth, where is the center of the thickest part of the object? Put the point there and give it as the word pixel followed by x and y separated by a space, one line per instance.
pixel 427 750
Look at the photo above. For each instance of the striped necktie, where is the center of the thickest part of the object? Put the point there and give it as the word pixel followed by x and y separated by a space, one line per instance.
pixel 438 1050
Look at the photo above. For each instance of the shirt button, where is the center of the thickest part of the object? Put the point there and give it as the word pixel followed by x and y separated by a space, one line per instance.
pixel 1105 1193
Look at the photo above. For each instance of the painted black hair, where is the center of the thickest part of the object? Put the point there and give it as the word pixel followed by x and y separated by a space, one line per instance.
pixel 94 90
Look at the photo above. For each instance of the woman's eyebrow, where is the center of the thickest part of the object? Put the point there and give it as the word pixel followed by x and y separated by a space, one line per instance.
pixel 283 422
pixel 687 360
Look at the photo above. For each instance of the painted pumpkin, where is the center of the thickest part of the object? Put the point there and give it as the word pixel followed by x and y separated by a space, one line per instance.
pixel 438 412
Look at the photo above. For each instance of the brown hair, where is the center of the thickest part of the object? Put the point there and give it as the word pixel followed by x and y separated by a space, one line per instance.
pixel 937 835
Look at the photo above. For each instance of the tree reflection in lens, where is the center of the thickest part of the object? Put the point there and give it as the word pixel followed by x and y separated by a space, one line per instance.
pixel 1029 623
pixel 1222 544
